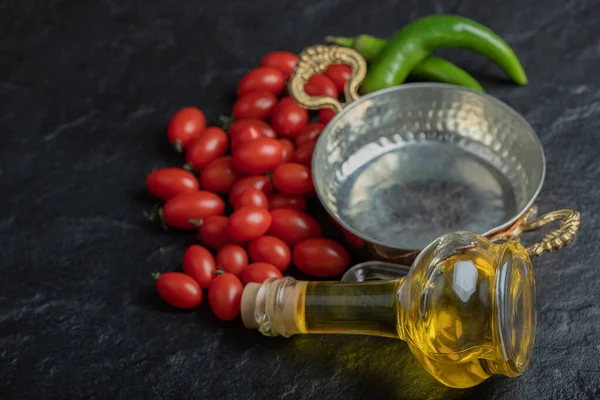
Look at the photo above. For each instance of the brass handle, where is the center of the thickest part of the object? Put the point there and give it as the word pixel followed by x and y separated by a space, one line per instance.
pixel 555 239
pixel 315 60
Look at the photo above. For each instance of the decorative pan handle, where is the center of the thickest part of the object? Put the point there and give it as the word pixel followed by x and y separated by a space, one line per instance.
pixel 315 60
pixel 555 239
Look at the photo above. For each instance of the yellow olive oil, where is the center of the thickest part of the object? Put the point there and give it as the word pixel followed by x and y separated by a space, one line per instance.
pixel 466 309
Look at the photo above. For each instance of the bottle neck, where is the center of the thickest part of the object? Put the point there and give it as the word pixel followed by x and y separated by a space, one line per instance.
pixel 286 307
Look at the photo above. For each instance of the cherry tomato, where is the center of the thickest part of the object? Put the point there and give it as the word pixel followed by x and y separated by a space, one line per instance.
pixel 212 144
pixel 285 100
pixel 225 296
pixel 250 132
pixel 326 115
pixel 310 133
pixel 261 127
pixel 246 136
pixel 320 257
pixel 288 150
pixel 303 154
pixel 254 105
pixel 191 206
pixel 293 178
pixel 179 290
pixel 284 61
pixel 260 182
pixel 258 156
pixel 262 79
pixel 260 272
pixel 271 250
pixel 339 75
pixel 288 118
pixel 199 263
pixel 249 223
pixel 219 176
pixel 251 197
pixel 320 85
pixel 293 226
pixel 232 259
pixel 168 182
pixel 186 125
pixel 214 232
pixel 282 200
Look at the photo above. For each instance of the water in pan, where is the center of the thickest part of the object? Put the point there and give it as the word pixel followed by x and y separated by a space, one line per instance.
pixel 408 196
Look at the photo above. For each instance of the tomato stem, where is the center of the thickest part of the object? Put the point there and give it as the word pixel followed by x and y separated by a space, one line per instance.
pixel 188 167
pixel 178 146
pixel 162 219
pixel 220 271
pixel 153 213
pixel 225 121
pixel 156 275
pixel 196 222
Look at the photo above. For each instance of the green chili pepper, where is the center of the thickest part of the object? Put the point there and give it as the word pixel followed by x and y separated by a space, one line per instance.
pixel 430 69
pixel 414 42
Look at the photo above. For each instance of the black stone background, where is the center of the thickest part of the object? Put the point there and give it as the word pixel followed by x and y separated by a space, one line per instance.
pixel 86 90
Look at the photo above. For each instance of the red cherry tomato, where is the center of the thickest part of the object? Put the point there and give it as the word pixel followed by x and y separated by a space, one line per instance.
pixel 232 259
pixel 304 154
pixel 260 272
pixel 288 118
pixel 271 250
pixel 225 296
pixel 249 223
pixel 251 197
pixel 168 182
pixel 199 263
pixel 293 178
pixel 293 226
pixel 282 200
pixel 284 61
pixel 191 206
pixel 285 100
pixel 212 144
pixel 214 232
pixel 320 85
pixel 179 290
pixel 320 257
pixel 326 115
pixel 262 79
pixel 258 156
pixel 310 133
pixel 254 105
pixel 219 176
pixel 288 150
pixel 185 126
pixel 339 75
pixel 260 182
pixel 260 127
pixel 250 132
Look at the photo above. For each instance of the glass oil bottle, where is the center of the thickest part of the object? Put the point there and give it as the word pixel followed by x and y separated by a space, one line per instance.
pixel 466 309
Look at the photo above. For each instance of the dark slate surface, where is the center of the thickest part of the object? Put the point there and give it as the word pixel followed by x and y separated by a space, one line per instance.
pixel 86 89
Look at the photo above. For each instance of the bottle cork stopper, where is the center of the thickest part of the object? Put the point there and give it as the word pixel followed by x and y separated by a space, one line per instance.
pixel 249 304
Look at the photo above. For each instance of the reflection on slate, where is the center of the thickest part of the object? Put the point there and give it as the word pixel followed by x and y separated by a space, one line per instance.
pixel 86 91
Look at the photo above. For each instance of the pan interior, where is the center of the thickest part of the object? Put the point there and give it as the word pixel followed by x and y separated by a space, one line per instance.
pixel 402 168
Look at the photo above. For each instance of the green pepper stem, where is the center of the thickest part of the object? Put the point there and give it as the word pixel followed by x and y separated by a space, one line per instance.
pixel 340 40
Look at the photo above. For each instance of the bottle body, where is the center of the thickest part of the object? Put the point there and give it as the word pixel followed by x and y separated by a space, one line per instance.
pixel 466 308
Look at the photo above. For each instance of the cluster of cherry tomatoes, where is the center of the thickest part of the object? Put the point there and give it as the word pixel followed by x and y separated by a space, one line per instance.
pixel 261 167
